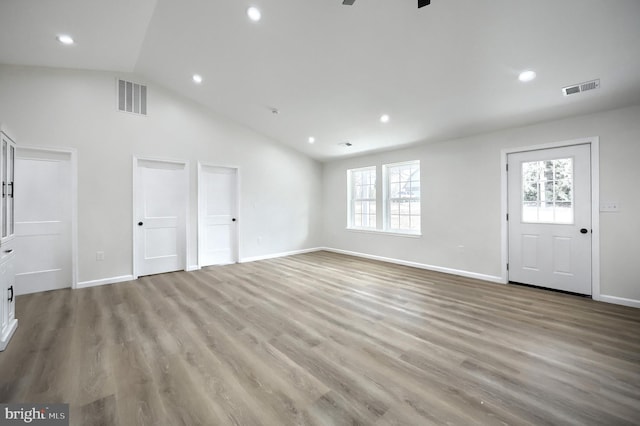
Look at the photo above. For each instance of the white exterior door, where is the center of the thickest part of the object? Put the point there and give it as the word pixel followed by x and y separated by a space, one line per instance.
pixel 43 220
pixel 160 216
pixel 550 218
pixel 217 215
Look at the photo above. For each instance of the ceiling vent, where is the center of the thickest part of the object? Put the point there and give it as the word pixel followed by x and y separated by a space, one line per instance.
pixel 582 87
pixel 132 97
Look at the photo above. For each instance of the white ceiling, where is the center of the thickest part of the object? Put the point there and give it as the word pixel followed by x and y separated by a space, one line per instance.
pixel 447 70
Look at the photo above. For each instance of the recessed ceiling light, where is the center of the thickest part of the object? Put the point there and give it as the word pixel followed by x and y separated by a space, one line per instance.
pixel 65 39
pixel 197 78
pixel 384 118
pixel 312 139
pixel 527 76
pixel 254 14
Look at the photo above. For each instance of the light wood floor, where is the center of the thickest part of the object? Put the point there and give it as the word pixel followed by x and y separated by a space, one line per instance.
pixel 322 338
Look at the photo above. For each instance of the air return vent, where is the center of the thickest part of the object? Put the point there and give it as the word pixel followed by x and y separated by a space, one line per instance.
pixel 132 97
pixel 582 87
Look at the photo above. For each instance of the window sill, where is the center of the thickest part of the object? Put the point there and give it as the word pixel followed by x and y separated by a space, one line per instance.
pixel 391 233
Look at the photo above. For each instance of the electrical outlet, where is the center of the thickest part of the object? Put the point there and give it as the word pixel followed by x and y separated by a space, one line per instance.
pixel 99 255
pixel 612 206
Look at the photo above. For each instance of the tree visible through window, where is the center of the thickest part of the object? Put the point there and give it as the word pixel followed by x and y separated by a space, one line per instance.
pixel 402 202
pixel 362 196
pixel 547 191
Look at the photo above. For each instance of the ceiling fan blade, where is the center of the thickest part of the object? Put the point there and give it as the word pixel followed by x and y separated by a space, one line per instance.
pixel 348 2
pixel 422 3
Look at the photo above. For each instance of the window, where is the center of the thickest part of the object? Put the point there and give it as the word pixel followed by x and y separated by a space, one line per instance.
pixel 547 191
pixel 362 198
pixel 402 197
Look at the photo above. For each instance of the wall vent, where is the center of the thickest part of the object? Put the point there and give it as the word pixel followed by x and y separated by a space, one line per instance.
pixel 132 97
pixel 582 87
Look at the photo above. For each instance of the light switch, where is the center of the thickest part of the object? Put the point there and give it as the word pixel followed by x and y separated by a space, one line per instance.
pixel 611 206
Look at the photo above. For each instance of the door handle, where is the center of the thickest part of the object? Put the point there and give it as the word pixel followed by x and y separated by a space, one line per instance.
pixel 10 195
pixel 9 251
pixel 11 297
pixel 584 230
pixel 233 220
pixel 140 223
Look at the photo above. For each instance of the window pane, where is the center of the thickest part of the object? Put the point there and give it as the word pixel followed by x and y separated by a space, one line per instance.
pixel 415 208
pixel 404 222
pixel 362 198
pixel 403 199
pixel 395 207
pixel 547 191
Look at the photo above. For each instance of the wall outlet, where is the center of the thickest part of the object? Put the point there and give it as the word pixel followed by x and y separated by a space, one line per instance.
pixel 99 255
pixel 612 206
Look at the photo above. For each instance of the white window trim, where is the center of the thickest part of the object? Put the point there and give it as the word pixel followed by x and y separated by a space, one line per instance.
pixel 386 214
pixel 408 234
pixel 350 200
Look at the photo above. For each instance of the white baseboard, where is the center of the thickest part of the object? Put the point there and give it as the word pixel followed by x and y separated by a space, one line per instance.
pixel 274 255
pixel 466 274
pixel 619 300
pixel 192 268
pixel 104 281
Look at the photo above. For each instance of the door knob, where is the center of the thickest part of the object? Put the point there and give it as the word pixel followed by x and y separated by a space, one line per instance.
pixel 233 220
pixel 584 230
pixel 140 223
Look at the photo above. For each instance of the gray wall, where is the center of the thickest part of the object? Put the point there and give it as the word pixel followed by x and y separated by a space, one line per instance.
pixel 60 108
pixel 461 199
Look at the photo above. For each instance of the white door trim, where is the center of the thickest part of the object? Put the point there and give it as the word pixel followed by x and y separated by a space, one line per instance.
pixel 134 181
pixel 594 142
pixel 73 154
pixel 236 236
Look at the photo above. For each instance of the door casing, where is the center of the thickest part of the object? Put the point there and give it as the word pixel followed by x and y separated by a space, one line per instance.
pixel 594 142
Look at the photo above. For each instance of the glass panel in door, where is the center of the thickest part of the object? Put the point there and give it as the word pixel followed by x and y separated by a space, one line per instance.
pixel 4 187
pixel 10 203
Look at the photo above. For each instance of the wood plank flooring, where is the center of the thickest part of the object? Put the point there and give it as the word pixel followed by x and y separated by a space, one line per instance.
pixel 324 339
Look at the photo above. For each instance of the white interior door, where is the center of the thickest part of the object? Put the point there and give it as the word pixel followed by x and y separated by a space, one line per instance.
pixel 550 218
pixel 160 215
pixel 217 215
pixel 42 220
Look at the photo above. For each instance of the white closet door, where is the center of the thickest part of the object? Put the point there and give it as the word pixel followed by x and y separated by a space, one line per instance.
pixel 160 200
pixel 43 220
pixel 217 215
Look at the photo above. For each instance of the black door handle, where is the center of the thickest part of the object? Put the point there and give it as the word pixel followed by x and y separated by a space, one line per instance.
pixel 584 230
pixel 11 297
pixel 233 220
pixel 140 223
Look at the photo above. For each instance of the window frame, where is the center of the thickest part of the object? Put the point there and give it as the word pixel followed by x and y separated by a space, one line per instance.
pixel 387 200
pixel 351 200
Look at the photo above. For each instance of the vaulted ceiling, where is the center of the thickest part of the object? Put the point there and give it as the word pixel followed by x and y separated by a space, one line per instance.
pixel 446 70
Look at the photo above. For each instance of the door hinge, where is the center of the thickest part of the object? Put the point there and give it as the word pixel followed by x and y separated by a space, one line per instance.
pixel 507 217
pixel 507 166
pixel 507 266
